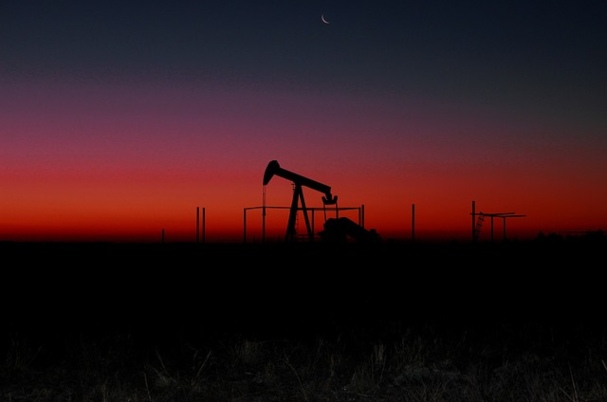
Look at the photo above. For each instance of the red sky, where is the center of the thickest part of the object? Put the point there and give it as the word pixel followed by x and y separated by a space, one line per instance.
pixel 104 143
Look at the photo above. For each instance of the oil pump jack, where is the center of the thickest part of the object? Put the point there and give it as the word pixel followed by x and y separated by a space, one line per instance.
pixel 299 181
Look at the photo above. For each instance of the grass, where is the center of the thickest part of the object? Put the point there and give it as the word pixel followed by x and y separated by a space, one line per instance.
pixel 510 322
pixel 419 366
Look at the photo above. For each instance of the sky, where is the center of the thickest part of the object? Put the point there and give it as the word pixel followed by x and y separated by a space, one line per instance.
pixel 131 121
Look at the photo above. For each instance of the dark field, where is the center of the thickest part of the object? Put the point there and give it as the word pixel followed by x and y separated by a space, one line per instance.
pixel 299 288
pixel 535 297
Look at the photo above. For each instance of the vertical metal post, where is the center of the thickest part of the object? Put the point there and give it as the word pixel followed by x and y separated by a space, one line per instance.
pixel 197 224
pixel 363 215
pixel 244 225
pixel 412 222
pixel 263 216
pixel 204 225
pixel 473 219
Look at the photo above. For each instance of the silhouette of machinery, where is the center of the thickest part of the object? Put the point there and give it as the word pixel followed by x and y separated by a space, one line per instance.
pixel 339 230
pixel 334 229
pixel 299 181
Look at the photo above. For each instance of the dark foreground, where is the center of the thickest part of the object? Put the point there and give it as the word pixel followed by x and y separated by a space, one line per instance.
pixel 148 301
pixel 297 289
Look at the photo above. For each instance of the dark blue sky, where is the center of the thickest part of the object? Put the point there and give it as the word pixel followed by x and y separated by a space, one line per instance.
pixel 449 47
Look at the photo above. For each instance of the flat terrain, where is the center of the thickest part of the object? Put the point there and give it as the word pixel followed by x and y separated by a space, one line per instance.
pixel 303 322
pixel 297 289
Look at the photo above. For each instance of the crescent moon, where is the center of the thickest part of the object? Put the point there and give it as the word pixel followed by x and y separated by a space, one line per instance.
pixel 323 19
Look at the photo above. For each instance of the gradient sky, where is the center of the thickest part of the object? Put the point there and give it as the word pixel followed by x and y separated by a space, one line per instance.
pixel 118 119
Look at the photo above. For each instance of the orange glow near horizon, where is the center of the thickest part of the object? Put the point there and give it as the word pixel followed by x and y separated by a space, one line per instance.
pixel 127 211
pixel 95 176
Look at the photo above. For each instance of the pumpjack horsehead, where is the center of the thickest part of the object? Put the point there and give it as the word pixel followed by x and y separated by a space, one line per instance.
pixel 335 229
